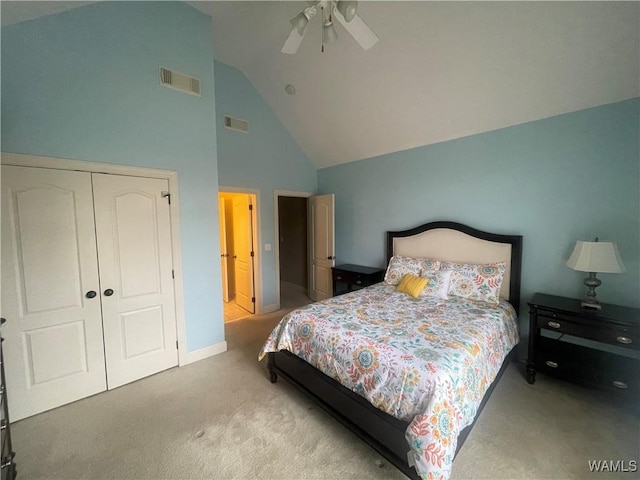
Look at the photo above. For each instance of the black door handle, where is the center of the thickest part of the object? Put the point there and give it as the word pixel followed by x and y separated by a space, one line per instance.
pixel 331 258
pixel 90 294
pixel 108 292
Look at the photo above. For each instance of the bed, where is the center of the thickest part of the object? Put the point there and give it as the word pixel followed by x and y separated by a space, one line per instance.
pixel 413 402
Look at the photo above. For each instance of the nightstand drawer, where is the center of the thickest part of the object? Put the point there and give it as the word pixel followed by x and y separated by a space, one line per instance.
pixel 560 324
pixel 604 370
pixel 350 277
pixel 619 335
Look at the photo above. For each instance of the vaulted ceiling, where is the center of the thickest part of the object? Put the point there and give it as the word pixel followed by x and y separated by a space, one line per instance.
pixel 441 70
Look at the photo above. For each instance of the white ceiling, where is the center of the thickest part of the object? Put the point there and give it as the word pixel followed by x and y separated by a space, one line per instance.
pixel 441 70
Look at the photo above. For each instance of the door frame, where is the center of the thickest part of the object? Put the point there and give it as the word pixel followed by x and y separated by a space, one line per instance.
pixel 224 261
pixel 276 223
pixel 53 163
pixel 257 256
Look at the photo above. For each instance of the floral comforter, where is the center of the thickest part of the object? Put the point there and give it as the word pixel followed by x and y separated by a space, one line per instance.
pixel 423 360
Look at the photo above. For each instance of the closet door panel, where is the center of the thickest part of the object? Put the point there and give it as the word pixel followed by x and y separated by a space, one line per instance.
pixel 53 335
pixel 134 254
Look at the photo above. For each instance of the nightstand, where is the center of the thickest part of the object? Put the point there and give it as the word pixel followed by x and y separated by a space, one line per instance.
pixel 551 353
pixel 7 464
pixel 347 278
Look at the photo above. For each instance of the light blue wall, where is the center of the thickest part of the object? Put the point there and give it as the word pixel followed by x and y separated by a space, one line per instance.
pixel 554 181
pixel 267 158
pixel 84 85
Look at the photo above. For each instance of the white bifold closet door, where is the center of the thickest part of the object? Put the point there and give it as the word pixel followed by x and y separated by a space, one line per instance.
pixel 87 286
pixel 53 348
pixel 134 255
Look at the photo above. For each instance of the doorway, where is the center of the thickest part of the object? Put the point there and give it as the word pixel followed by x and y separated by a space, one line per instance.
pixel 293 249
pixel 237 217
pixel 293 258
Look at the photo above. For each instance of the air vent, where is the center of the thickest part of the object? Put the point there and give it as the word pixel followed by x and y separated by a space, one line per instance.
pixel 236 124
pixel 179 81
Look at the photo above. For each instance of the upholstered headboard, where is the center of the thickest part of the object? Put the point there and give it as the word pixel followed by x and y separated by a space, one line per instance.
pixel 461 243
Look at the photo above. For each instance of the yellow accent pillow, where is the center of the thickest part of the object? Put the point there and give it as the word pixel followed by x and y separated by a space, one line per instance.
pixel 412 285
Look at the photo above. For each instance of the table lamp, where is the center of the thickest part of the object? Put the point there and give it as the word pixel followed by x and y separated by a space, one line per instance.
pixel 595 257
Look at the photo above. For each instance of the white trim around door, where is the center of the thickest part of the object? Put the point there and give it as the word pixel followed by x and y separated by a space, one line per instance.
pixel 170 175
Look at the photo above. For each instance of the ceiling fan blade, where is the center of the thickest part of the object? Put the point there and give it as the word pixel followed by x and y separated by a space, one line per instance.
pixel 292 43
pixel 359 30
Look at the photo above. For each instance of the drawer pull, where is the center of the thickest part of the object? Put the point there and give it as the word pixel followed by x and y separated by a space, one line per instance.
pixel 553 324
pixel 551 364
pixel 358 282
pixel 338 277
pixel 625 340
pixel 619 384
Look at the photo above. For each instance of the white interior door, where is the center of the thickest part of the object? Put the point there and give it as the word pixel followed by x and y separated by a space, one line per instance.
pixel 243 252
pixel 224 255
pixel 134 255
pixel 53 336
pixel 322 246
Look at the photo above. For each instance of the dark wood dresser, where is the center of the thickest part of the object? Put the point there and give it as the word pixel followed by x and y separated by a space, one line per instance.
pixel 559 318
pixel 347 278
pixel 7 464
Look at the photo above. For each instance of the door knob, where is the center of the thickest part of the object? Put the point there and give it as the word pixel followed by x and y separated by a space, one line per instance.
pixel 108 292
pixel 331 258
pixel 90 294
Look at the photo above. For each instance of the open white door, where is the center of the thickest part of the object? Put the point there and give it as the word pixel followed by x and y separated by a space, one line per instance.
pixel 53 346
pixel 243 252
pixel 224 255
pixel 322 246
pixel 136 276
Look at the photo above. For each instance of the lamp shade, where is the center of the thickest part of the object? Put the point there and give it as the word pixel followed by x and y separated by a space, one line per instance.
pixel 329 33
pixel 299 23
pixel 598 257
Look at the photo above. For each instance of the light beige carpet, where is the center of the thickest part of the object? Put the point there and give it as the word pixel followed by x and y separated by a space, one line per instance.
pixel 233 312
pixel 221 418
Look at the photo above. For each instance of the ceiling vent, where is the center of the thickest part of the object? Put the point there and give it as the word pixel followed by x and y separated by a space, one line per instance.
pixel 236 124
pixel 179 81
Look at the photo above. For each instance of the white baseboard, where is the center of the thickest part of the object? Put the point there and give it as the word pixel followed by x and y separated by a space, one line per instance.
pixel 203 353
pixel 274 307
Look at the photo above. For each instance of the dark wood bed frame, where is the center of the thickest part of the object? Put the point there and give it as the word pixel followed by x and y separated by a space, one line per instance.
pixel 384 433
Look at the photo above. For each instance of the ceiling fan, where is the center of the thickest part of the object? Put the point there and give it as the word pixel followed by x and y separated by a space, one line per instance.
pixel 344 11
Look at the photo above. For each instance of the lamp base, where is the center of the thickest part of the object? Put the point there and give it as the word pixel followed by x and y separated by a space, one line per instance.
pixel 590 305
pixel 590 302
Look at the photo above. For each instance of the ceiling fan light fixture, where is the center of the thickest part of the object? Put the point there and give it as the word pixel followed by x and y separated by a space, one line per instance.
pixel 344 11
pixel 300 23
pixel 348 9
pixel 329 31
